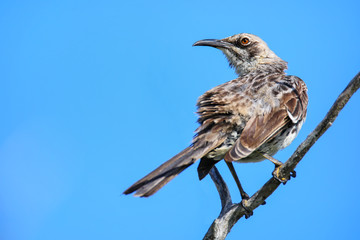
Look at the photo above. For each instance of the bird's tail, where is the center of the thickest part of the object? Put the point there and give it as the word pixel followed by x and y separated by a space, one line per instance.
pixel 155 180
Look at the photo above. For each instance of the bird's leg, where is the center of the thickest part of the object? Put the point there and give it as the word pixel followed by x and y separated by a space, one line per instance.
pixel 278 164
pixel 244 195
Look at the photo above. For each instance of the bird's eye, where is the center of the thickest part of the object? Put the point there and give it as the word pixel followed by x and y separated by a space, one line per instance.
pixel 244 41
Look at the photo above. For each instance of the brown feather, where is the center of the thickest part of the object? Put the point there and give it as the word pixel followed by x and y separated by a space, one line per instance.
pixel 258 130
pixel 259 112
pixel 155 180
pixel 263 128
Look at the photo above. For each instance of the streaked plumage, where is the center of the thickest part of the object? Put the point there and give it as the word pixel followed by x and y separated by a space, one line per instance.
pixel 258 113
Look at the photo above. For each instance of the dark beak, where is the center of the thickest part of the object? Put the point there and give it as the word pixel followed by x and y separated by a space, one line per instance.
pixel 213 43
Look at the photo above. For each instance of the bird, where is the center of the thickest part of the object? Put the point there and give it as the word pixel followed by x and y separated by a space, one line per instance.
pixel 248 119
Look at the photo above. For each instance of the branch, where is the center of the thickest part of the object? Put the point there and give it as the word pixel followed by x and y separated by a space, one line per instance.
pixel 221 187
pixel 231 213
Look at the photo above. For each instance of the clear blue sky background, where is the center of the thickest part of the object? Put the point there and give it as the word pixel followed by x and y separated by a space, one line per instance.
pixel 96 94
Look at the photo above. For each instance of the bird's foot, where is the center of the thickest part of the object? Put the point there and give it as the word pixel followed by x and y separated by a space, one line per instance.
pixel 276 173
pixel 283 179
pixel 248 212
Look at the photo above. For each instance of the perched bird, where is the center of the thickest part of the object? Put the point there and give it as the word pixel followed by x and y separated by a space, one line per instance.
pixel 247 119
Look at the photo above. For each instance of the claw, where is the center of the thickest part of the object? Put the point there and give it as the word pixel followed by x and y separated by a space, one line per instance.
pixel 276 175
pixel 282 179
pixel 248 212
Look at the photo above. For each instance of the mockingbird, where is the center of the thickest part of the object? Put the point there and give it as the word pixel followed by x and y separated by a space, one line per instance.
pixel 247 119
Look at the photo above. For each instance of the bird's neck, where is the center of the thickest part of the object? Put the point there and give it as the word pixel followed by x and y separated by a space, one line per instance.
pixel 264 65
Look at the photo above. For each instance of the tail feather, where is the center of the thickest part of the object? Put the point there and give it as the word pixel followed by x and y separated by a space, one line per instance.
pixel 155 180
pixel 152 182
pixel 148 190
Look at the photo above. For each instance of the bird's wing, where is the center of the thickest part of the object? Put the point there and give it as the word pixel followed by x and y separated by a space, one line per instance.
pixel 258 130
pixel 262 128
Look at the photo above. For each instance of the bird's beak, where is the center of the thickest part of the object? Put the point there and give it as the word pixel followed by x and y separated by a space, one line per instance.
pixel 213 43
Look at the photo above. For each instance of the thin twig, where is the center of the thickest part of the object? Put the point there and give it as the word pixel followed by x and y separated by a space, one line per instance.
pixel 230 214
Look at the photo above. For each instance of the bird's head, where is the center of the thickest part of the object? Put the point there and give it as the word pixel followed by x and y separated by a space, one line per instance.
pixel 246 52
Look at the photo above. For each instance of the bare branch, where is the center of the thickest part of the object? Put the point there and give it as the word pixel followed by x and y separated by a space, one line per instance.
pixel 221 187
pixel 231 213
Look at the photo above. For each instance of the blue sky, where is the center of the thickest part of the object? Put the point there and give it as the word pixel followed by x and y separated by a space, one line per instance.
pixel 96 94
